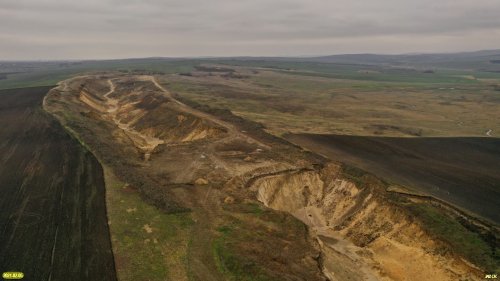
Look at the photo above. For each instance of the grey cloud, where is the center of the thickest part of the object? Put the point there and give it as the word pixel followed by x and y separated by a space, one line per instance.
pixel 121 28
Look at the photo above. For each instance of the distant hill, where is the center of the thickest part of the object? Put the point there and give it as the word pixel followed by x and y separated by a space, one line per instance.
pixel 488 60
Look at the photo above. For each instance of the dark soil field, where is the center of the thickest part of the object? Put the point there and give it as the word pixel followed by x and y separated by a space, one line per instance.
pixel 53 223
pixel 462 171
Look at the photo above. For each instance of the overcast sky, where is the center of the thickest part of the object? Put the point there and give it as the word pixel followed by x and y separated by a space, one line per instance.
pixel 98 29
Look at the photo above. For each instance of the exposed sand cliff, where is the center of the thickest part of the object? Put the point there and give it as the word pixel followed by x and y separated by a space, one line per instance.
pixel 361 236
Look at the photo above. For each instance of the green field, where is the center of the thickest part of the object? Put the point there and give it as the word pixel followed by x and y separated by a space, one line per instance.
pixel 313 97
pixel 286 101
pixel 30 74
pixel 148 243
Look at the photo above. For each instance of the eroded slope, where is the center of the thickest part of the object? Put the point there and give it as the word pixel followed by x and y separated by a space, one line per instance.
pixel 184 171
pixel 215 167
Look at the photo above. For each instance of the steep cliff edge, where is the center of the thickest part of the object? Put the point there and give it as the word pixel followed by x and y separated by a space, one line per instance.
pixel 363 235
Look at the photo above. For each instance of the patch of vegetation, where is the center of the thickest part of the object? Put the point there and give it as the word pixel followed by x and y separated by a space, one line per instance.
pixel 235 266
pixel 354 174
pixel 356 72
pixel 248 208
pixel 30 74
pixel 148 243
pixel 293 101
pixel 259 244
pixel 213 69
pixel 463 241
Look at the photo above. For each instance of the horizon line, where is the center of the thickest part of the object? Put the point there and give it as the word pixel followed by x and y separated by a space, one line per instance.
pixel 249 56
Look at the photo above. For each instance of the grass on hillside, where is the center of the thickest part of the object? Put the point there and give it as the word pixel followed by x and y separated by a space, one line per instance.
pixel 148 243
pixel 364 72
pixel 236 267
pixel 249 224
pixel 472 244
pixel 224 247
pixel 46 74
pixel 464 242
pixel 294 103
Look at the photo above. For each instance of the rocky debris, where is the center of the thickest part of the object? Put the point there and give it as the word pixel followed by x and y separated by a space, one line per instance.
pixel 130 210
pixel 147 228
pixel 201 181
pixel 181 118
